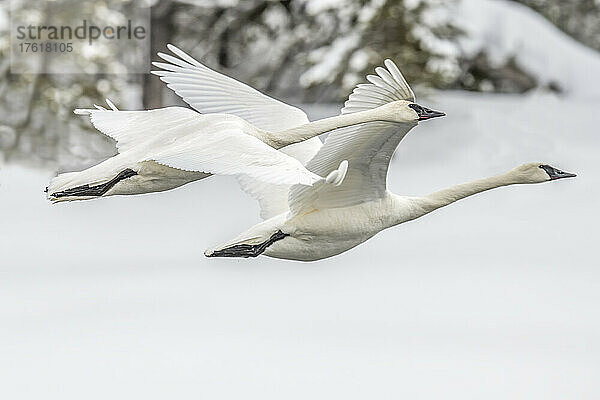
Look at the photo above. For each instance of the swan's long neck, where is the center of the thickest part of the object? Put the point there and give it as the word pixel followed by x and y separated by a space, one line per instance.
pixel 426 204
pixel 315 128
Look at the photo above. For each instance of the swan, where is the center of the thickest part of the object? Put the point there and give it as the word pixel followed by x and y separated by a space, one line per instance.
pixel 315 227
pixel 234 130
pixel 308 223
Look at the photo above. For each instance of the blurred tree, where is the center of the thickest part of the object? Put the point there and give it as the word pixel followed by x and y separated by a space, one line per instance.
pixel 419 35
pixel 578 18
pixel 163 29
pixel 479 74
pixel 317 50
pixel 36 110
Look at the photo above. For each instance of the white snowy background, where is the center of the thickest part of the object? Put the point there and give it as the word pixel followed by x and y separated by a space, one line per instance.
pixel 495 297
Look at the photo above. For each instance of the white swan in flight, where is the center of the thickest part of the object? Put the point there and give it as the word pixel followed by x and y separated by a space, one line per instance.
pixel 323 222
pixel 310 223
pixel 235 132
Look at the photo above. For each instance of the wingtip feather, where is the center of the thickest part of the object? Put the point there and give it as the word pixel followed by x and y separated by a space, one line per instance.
pixel 111 105
pixel 184 56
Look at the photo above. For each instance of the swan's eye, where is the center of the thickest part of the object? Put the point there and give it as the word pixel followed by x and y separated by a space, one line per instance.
pixel 541 166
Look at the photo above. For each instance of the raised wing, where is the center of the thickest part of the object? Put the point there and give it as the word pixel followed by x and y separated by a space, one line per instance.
pixel 368 147
pixel 208 91
pixel 181 138
pixel 387 86
pixel 211 92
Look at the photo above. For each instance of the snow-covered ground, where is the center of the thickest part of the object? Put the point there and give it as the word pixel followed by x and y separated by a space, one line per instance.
pixel 494 297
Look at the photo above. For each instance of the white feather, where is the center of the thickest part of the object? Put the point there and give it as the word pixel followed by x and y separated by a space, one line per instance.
pixel 388 85
pixel 209 91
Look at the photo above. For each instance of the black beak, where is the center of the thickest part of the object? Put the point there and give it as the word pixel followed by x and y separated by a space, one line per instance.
pixel 425 113
pixel 555 173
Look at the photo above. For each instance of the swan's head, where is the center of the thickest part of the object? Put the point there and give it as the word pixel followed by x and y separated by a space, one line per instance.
pixel 407 111
pixel 538 173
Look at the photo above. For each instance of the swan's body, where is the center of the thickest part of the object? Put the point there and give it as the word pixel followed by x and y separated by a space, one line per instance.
pixel 165 148
pixel 326 232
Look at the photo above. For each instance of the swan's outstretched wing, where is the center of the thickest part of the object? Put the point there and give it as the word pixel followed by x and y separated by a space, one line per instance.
pixel 387 86
pixel 211 92
pixel 368 147
pixel 208 91
pixel 181 138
